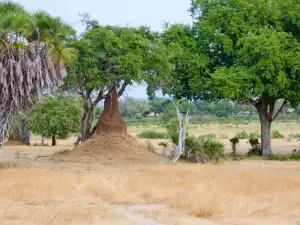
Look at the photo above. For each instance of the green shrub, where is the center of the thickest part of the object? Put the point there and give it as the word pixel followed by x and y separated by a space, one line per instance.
pixel 295 156
pixel 255 149
pixel 254 135
pixel 150 134
pixel 212 148
pixel 203 145
pixel 172 130
pixel 242 135
pixel 276 134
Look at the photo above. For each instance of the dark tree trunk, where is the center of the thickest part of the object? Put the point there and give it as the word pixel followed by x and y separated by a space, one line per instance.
pixel 25 135
pixel 110 120
pixel 15 134
pixel 86 125
pixel 53 140
pixel 265 108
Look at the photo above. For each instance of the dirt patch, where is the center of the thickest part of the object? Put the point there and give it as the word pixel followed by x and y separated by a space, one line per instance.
pixel 117 149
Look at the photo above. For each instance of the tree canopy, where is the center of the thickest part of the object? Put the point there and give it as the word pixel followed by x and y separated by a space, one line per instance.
pixel 113 57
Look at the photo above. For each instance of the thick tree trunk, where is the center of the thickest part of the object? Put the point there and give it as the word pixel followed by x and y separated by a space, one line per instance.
pixel 266 136
pixel 110 120
pixel 53 140
pixel 265 108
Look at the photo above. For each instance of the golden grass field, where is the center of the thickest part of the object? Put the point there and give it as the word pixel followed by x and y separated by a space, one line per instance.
pixel 232 193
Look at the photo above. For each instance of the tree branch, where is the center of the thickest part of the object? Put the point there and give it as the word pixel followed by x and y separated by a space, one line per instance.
pixel 248 102
pixel 121 91
pixel 99 98
pixel 283 104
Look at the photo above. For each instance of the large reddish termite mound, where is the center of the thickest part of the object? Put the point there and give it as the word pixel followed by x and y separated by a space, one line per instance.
pixel 110 120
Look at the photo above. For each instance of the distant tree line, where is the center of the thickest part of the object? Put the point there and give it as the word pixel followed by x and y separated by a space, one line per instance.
pixel 165 108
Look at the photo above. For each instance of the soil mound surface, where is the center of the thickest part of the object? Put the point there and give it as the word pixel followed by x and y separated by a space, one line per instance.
pixel 110 149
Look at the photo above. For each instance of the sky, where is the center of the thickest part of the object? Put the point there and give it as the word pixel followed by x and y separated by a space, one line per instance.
pixel 153 13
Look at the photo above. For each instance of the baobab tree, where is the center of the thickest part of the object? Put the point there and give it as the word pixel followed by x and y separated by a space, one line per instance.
pixel 32 59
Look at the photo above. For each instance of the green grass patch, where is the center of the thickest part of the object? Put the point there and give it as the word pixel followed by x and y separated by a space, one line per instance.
pixel 278 157
pixel 212 135
pixel 151 134
pixel 7 165
pixel 294 136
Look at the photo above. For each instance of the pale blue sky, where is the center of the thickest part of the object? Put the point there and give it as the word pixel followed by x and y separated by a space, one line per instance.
pixel 117 12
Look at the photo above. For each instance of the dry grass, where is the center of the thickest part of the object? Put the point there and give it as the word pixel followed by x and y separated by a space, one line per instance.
pixel 24 185
pixel 209 192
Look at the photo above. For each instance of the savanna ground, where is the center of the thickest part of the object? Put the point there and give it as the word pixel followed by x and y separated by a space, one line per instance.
pixel 254 191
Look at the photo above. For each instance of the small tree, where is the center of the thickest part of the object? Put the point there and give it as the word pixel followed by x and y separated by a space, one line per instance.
pixel 55 117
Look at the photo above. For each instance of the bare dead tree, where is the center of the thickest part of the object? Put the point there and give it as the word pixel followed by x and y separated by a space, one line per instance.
pixel 182 134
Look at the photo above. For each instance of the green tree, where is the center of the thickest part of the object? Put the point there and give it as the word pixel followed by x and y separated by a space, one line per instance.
pixel 112 58
pixel 158 105
pixel 55 117
pixel 250 54
pixel 32 58
pixel 131 107
pixel 170 112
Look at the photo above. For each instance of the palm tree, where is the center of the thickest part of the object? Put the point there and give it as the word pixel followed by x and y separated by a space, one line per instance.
pixel 33 55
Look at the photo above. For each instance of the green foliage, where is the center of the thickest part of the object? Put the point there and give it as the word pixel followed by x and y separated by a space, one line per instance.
pixel 158 105
pixel 172 130
pixel 202 145
pixel 254 135
pixel 242 135
pixel 295 156
pixel 150 134
pixel 56 116
pixel 276 134
pixel 215 150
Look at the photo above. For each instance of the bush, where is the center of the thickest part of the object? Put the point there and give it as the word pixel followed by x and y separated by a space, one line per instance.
pixel 255 148
pixel 254 135
pixel 242 135
pixel 150 134
pixel 212 148
pixel 276 134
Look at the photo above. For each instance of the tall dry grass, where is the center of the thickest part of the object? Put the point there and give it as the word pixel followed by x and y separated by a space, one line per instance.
pixel 209 192
pixel 233 194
